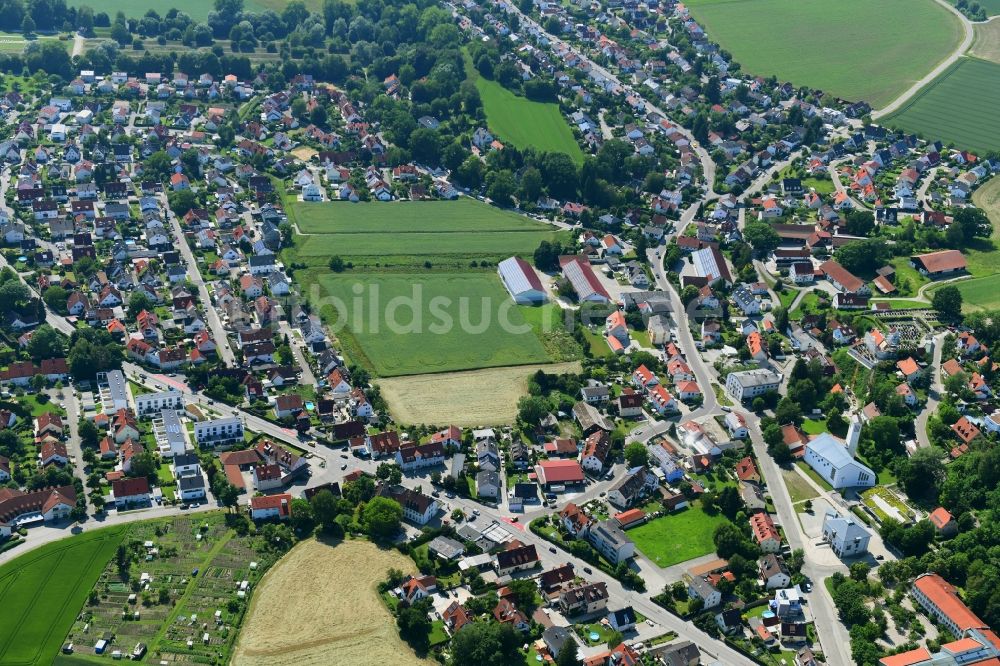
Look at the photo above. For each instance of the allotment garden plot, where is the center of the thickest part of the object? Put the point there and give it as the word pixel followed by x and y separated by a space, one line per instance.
pixel 870 50
pixel 180 593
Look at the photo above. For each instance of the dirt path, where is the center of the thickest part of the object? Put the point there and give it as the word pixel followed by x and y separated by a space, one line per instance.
pixel 319 605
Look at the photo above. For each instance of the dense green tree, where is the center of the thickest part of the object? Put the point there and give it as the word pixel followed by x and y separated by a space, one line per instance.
pixel 485 643
pixel 381 517
pixel 948 302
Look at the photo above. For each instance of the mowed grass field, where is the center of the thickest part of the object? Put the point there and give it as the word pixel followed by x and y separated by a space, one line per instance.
pixel 678 537
pixel 405 234
pixel 959 107
pixel 869 50
pixel 464 214
pixel 523 122
pixel 407 324
pixel 42 591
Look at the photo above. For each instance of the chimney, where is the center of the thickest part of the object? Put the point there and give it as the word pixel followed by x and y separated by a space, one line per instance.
pixel 853 435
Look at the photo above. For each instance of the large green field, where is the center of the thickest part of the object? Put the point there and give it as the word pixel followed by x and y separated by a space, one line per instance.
pixel 443 322
pixel 42 591
pixel 437 260
pixel 869 50
pixel 523 122
pixel 463 214
pixel 678 537
pixel 403 235
pixel 959 107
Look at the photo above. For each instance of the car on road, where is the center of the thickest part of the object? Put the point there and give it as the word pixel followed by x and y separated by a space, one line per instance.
pixel 603 493
pixel 450 495
pixel 344 456
pixel 184 507
pixel 587 570
pixel 435 494
pixel 727 408
pixel 343 467
pixel 552 549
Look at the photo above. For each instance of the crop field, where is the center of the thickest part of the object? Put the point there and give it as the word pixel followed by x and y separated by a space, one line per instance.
pixel 192 569
pixel 986 43
pixel 406 324
pixel 463 214
pixel 979 293
pixel 42 591
pixel 325 601
pixel 677 537
pixel 466 399
pixel 869 50
pixel 958 107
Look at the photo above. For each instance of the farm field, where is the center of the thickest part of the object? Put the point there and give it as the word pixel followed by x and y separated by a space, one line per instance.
pixel 958 107
pixel 473 398
pixel 326 616
pixel 824 45
pixel 984 259
pixel 464 214
pixel 446 322
pixel 196 570
pixel 677 537
pixel 979 293
pixel 42 591
pixel 524 122
pixel 986 40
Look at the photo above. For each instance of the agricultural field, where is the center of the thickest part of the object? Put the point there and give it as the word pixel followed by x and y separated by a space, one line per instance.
pixel 524 122
pixel 180 584
pixel 42 591
pixel 677 537
pixel 986 42
pixel 825 45
pixel 443 256
pixel 958 107
pixel 397 235
pixel 445 322
pixel 473 398
pixel 326 616
pixel 462 215
pixel 979 293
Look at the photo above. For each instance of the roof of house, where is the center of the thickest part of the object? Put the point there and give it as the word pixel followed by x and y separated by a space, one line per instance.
pixel 560 471
pixel 130 487
pixel 945 597
pixel 941 261
pixel 843 276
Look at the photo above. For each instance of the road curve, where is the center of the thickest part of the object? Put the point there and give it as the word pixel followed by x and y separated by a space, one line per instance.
pixel 937 71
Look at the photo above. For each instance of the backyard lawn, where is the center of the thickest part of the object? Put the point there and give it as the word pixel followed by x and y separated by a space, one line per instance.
pixel 799 490
pixel 825 45
pixel 677 537
pixel 41 593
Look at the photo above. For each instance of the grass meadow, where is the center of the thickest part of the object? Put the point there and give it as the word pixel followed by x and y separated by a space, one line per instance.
pixel 42 592
pixel 869 50
pixel 523 122
pixel 454 324
pixel 463 214
pixel 678 537
pixel 959 107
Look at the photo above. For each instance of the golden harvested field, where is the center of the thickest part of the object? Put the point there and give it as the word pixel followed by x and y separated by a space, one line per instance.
pixel 986 43
pixel 319 605
pixel 477 397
